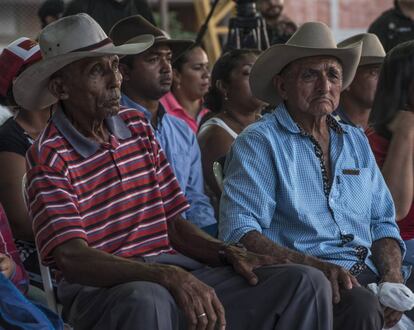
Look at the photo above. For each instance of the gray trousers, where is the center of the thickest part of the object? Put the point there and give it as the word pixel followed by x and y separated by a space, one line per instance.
pixel 287 297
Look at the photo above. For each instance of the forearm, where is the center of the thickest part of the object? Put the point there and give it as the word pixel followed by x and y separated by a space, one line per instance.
pixel 193 242
pixel 258 243
pixel 386 254
pixel 87 266
pixel 399 164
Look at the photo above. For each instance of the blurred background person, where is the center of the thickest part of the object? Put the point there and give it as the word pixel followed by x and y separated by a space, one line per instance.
pixel 279 27
pixel 392 135
pixel 108 12
pixel 395 25
pixel 50 11
pixel 191 80
pixel 231 99
pixel 17 134
pixel 357 99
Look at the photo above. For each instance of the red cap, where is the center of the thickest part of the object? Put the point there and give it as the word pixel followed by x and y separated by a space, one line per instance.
pixel 19 53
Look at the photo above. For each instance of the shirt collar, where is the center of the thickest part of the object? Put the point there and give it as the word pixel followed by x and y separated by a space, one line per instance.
pixel 340 115
pixel 284 118
pixel 83 145
pixel 127 102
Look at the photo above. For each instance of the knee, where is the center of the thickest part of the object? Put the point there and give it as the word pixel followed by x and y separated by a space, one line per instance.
pixel 361 303
pixel 312 276
pixel 144 294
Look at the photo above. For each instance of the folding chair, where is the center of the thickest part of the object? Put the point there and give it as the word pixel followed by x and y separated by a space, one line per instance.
pixel 218 174
pixel 44 271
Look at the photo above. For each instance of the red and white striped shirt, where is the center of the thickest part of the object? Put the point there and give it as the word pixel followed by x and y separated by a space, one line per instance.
pixel 117 196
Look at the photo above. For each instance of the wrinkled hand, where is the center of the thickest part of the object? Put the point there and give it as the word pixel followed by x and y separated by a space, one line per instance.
pixel 7 265
pixel 339 277
pixel 391 317
pixel 197 300
pixel 244 262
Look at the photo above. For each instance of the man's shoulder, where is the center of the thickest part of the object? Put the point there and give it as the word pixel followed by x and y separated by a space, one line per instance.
pixel 383 20
pixel 135 120
pixel 179 126
pixel 131 115
pixel 264 128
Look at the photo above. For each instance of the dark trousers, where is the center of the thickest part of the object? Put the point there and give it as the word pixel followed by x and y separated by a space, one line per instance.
pixel 287 297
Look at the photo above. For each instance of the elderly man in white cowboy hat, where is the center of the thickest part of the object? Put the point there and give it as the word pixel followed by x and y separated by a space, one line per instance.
pixel 105 206
pixel 299 184
pixel 357 99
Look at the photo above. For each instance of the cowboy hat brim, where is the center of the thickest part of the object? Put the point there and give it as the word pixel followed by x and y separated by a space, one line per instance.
pixel 30 89
pixel 275 58
pixel 367 60
pixel 178 46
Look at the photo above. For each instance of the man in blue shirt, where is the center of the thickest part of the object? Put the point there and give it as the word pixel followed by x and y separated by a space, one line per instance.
pixel 146 79
pixel 300 186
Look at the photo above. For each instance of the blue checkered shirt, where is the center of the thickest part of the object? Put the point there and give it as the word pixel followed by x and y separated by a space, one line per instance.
pixel 274 185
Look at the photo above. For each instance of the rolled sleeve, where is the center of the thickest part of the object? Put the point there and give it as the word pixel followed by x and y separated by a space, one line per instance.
pixel 248 201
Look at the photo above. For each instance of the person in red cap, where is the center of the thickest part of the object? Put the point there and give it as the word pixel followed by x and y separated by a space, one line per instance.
pixel 16 135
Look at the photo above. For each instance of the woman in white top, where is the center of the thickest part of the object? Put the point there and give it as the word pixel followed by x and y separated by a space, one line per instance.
pixel 235 108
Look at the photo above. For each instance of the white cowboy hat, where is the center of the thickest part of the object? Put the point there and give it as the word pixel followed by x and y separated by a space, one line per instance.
pixel 62 42
pixel 311 39
pixel 372 50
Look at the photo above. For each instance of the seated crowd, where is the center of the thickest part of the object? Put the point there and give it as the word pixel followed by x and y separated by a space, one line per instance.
pixel 113 139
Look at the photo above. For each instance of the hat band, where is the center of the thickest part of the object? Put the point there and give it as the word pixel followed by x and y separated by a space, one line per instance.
pixel 100 44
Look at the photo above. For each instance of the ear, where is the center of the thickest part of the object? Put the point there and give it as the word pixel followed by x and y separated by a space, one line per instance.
pixel 221 86
pixel 125 71
pixel 279 85
pixel 58 89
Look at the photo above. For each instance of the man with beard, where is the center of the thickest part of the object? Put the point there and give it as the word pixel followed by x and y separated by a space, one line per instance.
pixel 279 27
pixel 395 25
pixel 148 77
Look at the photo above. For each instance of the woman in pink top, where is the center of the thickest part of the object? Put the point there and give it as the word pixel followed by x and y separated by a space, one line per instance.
pixel 191 80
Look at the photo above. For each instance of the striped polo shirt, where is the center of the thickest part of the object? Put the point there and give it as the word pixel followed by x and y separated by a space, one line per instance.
pixel 117 196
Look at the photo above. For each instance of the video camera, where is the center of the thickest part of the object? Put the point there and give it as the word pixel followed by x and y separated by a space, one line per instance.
pixel 248 28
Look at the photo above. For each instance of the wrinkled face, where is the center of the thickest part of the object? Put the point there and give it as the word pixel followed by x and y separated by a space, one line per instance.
pixel 311 85
pixel 92 87
pixel 270 8
pixel 151 75
pixel 238 88
pixel 194 76
pixel 364 85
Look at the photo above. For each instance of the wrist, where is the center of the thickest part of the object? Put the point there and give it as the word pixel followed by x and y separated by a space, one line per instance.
pixel 393 277
pixel 225 251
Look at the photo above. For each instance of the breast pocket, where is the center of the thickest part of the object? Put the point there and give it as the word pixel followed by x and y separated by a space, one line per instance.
pixel 356 190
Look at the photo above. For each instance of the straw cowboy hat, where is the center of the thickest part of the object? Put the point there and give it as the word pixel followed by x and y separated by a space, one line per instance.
pixel 127 30
pixel 372 50
pixel 62 42
pixel 311 39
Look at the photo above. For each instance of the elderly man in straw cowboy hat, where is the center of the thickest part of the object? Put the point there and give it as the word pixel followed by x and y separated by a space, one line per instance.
pixel 105 206
pixel 299 184
pixel 357 99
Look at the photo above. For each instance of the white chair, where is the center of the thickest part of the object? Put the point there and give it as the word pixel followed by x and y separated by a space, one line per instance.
pixel 218 174
pixel 44 271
